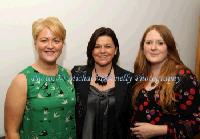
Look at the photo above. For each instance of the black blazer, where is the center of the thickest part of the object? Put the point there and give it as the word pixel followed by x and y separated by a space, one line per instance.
pixel 123 84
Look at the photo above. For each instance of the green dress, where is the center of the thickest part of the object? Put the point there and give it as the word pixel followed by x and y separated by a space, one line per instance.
pixel 50 106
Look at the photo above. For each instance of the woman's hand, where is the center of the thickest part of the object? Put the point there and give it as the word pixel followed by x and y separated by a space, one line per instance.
pixel 147 130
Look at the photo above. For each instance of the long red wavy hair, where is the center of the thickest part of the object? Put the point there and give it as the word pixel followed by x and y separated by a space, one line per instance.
pixel 168 69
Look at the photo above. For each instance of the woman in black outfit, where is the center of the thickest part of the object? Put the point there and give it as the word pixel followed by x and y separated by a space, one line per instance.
pixel 103 107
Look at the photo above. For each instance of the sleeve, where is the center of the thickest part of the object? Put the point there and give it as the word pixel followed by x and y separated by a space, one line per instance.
pixel 73 71
pixel 186 123
pixel 130 107
pixel 77 72
pixel 75 75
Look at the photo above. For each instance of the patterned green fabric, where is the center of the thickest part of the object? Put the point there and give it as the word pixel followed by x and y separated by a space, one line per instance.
pixel 50 106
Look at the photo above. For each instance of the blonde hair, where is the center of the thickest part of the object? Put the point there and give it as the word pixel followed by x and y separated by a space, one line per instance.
pixel 52 23
pixel 169 68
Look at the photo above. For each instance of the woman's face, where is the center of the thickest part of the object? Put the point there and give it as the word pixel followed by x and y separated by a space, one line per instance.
pixel 48 46
pixel 155 49
pixel 104 51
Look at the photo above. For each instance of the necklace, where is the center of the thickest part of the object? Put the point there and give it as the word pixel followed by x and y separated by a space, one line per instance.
pixel 154 82
pixel 101 80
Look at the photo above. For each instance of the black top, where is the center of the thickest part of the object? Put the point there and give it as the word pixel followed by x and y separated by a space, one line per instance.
pixel 123 108
pixel 99 121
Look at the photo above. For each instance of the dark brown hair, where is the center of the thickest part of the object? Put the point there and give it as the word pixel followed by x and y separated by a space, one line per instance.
pixel 91 44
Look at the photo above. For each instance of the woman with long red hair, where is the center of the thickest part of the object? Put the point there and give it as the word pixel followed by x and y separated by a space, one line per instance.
pixel 166 97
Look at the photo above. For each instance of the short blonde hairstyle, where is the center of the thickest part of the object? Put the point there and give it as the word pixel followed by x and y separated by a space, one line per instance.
pixel 52 23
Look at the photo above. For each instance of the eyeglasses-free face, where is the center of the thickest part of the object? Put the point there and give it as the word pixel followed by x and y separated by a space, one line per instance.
pixel 155 49
pixel 104 51
pixel 48 46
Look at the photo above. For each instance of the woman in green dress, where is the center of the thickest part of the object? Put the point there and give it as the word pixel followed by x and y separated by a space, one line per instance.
pixel 40 100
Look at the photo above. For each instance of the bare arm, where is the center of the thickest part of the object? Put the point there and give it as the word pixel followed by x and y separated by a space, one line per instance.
pixel 14 106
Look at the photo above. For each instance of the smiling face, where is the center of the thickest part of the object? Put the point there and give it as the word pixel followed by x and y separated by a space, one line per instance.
pixel 155 49
pixel 104 51
pixel 48 46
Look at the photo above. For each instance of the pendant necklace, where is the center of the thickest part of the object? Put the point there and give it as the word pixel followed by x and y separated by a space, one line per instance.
pixel 102 80
pixel 154 82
